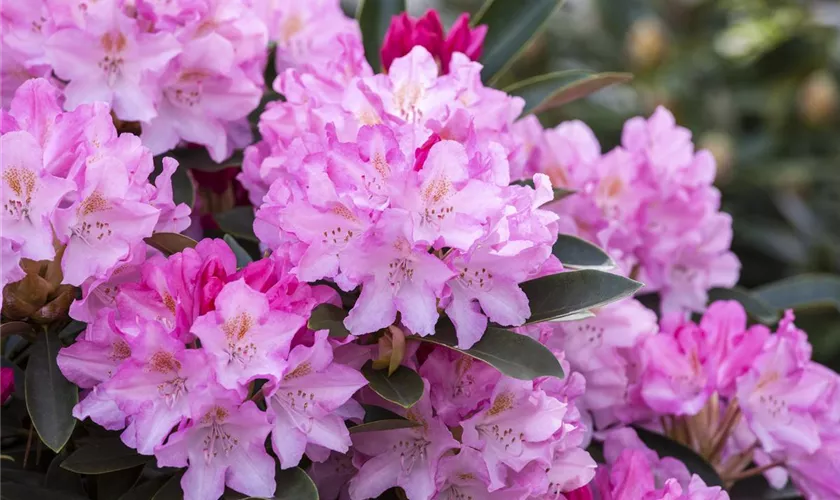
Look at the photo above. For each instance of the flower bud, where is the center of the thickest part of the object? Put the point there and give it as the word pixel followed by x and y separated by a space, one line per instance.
pixel 818 98
pixel 23 298
pixel 39 296
pixel 647 43
pixel 7 383
pixel 56 308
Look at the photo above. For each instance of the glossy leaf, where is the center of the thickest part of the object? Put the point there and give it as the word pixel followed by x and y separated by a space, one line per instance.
pixel 242 257
pixel 144 491
pixel 59 478
pixel 104 455
pixel 552 297
pixel 577 253
pixel 171 489
pixel 510 25
pixel 199 159
pixel 756 307
pixel 667 447
pixel 381 419
pixel 556 89
pixel 559 193
pixel 170 243
pixel 16 491
pixel 329 317
pixel 404 387
pixel 50 397
pixel 515 355
pixel 238 221
pixel 113 485
pixel 292 484
pixel 374 17
pixel 808 290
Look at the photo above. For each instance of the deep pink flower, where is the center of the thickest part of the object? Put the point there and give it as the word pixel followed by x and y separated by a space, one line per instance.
pixel 7 383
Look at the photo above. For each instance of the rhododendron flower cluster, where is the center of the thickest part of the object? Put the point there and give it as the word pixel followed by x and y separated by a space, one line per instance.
pixel 736 394
pixel 185 70
pixel 182 347
pixel 392 184
pixel 74 190
pixel 649 202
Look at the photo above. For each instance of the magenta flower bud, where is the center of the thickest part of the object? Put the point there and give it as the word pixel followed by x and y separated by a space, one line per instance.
pixel 462 39
pixel 7 383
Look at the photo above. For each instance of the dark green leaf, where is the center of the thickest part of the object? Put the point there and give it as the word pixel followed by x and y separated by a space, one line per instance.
pixel 16 491
pixel 757 308
pixel 667 447
pixel 404 387
pixel 515 355
pixel 242 257
pixel 757 488
pixel 171 490
pixel 329 317
pixel 294 484
pixel 556 89
pixel 238 221
pixel 374 17
pixel 58 478
pixel 144 491
pixel 104 455
pixel 170 243
pixel 381 419
pixel 21 328
pixel 510 25
pixel 73 329
pixel 199 159
pixel 576 253
pixel 557 295
pixel 50 397
pixel 559 193
pixel 807 290
pixel 113 485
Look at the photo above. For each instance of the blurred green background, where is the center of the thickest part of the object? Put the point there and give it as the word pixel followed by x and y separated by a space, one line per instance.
pixel 757 83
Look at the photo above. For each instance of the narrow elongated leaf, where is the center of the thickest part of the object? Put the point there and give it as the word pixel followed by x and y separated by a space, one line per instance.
pixel 144 491
pixel 238 221
pixel 558 295
pixel 61 479
pixel 404 387
pixel 757 308
pixel 242 257
pixel 171 489
pixel 102 456
pixel 667 447
pixel 329 317
pixel 510 25
pixel 170 243
pixel 559 193
pixel 808 290
pixel 381 419
pixel 113 485
pixel 515 355
pixel 374 17
pixel 50 397
pixel 576 253
pixel 556 89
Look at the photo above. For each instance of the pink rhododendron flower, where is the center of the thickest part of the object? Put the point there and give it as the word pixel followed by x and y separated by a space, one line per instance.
pixel 69 180
pixel 404 33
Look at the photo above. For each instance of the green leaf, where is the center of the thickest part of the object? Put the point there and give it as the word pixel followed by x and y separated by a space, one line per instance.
pixel 552 90
pixel 50 397
pixel 294 484
pixel 558 295
pixel 667 447
pixel 559 193
pixel 404 387
pixel 374 17
pixel 515 355
pixel 242 257
pixel 16 491
pixel 510 25
pixel 113 485
pixel 171 489
pixel 757 308
pixel 238 221
pixel 199 159
pixel 170 243
pixel 381 419
pixel 577 253
pixel 144 491
pixel 807 290
pixel 61 479
pixel 104 455
pixel 329 317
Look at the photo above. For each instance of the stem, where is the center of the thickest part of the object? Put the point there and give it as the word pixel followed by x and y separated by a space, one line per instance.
pixel 737 462
pixel 753 472
pixel 28 444
pixel 732 416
